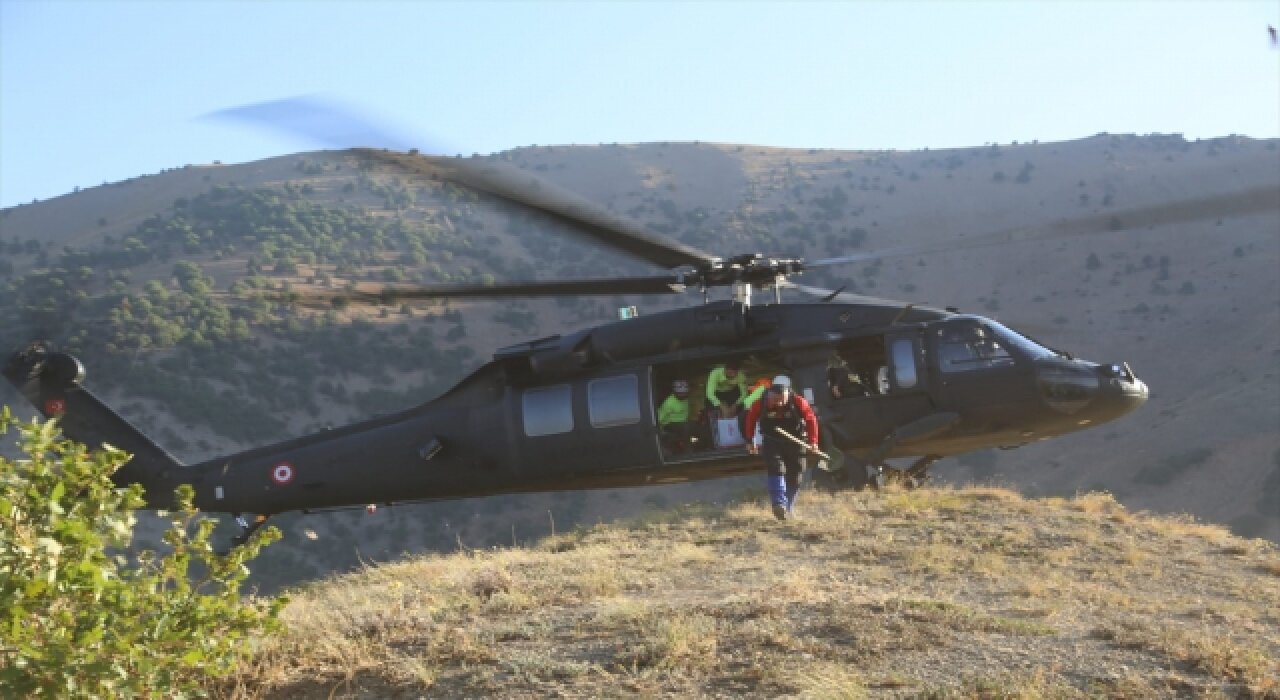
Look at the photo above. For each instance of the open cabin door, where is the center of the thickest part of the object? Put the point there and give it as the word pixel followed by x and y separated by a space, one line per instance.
pixel 893 387
pixel 709 436
pixel 905 380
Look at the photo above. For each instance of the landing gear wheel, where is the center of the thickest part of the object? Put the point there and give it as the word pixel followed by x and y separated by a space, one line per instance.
pixel 904 478
pixel 918 473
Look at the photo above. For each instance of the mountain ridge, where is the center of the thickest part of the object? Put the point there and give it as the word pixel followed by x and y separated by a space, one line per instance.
pixel 1194 308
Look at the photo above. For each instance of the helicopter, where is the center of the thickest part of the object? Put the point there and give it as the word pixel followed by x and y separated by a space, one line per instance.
pixel 578 410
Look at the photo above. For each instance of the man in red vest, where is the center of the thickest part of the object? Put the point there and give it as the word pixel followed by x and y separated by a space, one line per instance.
pixel 769 422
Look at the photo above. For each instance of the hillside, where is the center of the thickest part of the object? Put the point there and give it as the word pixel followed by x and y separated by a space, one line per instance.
pixel 168 287
pixel 935 593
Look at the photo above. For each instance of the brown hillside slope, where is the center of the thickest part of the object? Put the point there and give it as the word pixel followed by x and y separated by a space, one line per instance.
pixel 1193 307
pixel 931 593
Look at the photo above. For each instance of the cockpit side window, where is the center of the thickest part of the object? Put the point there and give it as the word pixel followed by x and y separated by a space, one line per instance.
pixel 964 348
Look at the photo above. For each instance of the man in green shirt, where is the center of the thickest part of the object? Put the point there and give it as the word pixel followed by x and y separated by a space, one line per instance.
pixel 726 388
pixel 673 418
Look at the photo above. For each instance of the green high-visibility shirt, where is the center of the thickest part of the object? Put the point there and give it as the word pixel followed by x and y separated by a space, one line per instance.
pixel 717 381
pixel 673 410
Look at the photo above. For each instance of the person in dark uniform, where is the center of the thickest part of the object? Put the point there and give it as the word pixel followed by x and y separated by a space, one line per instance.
pixel 781 411
pixel 842 381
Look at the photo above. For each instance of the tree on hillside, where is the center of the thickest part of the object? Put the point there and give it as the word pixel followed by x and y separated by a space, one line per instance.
pixel 79 619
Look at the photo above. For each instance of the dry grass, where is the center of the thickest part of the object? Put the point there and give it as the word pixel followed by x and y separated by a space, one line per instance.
pixel 1213 652
pixel 828 680
pixel 1030 685
pixel 931 593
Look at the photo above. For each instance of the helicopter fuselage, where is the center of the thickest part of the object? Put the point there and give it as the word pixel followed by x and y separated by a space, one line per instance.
pixel 579 411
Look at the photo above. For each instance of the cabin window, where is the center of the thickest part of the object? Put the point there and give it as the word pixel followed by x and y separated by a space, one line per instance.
pixel 548 410
pixel 966 348
pixel 904 363
pixel 614 401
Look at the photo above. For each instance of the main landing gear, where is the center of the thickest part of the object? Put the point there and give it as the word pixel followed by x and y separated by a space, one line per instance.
pixel 851 471
pixel 847 471
pixel 912 477
pixel 859 475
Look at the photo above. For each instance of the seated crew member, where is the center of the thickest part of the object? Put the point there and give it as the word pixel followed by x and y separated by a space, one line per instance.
pixel 842 380
pixel 726 388
pixel 673 418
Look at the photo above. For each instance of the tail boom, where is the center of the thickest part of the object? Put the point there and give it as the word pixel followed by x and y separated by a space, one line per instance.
pixel 52 382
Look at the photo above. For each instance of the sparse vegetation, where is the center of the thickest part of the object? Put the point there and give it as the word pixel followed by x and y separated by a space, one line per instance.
pixel 869 594
pixel 80 619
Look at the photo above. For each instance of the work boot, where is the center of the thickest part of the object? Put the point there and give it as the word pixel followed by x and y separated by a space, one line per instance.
pixel 792 494
pixel 778 496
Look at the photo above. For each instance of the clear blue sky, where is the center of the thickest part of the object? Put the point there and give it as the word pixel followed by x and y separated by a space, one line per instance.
pixel 102 90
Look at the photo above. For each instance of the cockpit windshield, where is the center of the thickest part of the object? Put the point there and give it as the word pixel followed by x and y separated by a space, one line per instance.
pixel 968 344
pixel 1026 346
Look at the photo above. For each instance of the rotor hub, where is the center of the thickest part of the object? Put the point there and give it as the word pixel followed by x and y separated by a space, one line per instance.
pixel 750 269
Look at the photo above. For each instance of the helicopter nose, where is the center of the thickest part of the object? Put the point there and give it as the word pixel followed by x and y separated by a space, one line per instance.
pixel 1121 390
pixel 1091 393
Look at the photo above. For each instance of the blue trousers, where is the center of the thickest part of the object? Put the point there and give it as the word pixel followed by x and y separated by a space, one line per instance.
pixel 784 468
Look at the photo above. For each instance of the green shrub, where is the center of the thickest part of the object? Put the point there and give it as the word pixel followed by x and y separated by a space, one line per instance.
pixel 79 618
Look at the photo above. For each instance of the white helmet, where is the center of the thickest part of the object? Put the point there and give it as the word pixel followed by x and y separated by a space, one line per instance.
pixel 782 381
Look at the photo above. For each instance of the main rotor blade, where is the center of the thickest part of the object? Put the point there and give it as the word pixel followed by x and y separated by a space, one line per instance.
pixel 1234 204
pixel 319 119
pixel 579 215
pixel 614 286
pixel 331 124
pixel 828 295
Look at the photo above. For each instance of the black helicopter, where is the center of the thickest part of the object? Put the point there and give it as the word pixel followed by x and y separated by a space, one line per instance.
pixel 578 411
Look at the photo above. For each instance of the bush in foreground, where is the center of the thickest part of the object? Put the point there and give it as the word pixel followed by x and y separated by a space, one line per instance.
pixel 77 616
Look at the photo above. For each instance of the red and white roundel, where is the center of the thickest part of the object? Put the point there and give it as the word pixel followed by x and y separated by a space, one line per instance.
pixel 282 473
